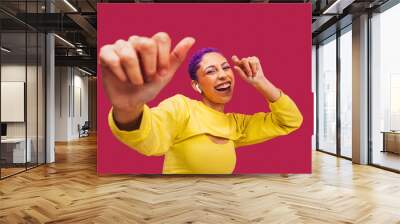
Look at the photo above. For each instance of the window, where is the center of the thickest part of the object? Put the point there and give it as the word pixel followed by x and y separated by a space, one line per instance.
pixel 385 88
pixel 346 93
pixel 327 95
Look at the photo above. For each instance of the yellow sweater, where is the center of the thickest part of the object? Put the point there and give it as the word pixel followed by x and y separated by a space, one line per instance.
pixel 178 127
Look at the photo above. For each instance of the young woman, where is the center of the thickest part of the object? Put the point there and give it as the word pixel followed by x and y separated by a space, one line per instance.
pixel 196 137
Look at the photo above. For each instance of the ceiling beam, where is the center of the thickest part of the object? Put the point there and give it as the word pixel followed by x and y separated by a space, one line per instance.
pixel 83 61
pixel 337 7
pixel 84 24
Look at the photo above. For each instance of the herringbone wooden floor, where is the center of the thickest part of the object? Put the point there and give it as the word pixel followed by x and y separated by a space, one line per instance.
pixel 70 191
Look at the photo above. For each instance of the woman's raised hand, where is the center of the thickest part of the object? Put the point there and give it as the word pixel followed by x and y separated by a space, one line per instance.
pixel 251 71
pixel 136 70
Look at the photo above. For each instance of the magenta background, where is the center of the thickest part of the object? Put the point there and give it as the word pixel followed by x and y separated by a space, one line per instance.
pixel 279 34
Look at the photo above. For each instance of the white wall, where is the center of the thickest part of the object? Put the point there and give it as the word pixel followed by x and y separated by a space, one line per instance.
pixel 61 103
pixel 71 94
pixel 80 110
pixel 12 73
pixel 16 72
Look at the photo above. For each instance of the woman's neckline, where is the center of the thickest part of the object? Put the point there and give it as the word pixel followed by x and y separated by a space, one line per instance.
pixel 211 109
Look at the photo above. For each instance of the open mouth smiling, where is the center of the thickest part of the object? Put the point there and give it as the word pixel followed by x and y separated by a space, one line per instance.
pixel 225 86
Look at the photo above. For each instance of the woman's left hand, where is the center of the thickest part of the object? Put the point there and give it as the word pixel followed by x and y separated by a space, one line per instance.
pixel 250 70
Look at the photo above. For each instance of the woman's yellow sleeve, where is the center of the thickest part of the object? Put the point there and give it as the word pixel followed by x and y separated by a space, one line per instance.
pixel 283 119
pixel 158 128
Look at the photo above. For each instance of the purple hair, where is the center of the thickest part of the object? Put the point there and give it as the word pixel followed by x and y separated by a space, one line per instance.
pixel 196 59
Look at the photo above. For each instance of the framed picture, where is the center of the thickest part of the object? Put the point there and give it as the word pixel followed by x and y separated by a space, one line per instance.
pixel 237 99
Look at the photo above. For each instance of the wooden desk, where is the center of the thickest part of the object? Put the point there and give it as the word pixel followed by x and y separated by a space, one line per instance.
pixel 13 150
pixel 391 141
